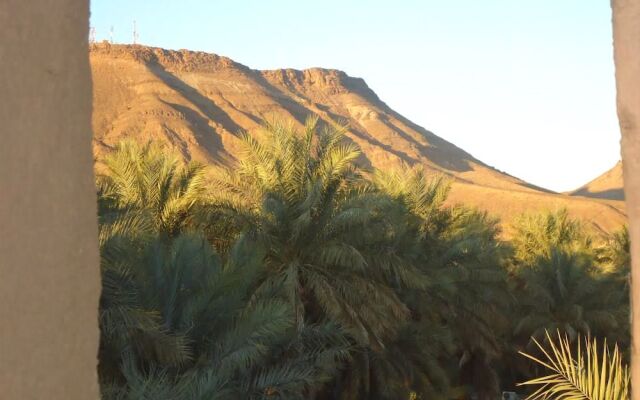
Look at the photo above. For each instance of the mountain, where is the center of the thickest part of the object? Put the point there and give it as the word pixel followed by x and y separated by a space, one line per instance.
pixel 197 102
pixel 607 186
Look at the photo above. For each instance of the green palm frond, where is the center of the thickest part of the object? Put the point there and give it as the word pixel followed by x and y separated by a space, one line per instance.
pixel 592 372
pixel 537 234
pixel 153 183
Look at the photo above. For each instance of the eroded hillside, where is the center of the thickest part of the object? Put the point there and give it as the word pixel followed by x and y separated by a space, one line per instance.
pixel 197 102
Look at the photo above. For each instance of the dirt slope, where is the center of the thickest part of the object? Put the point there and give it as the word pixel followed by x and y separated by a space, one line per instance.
pixel 607 186
pixel 197 102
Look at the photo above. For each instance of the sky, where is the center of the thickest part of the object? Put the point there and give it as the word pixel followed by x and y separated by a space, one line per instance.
pixel 525 86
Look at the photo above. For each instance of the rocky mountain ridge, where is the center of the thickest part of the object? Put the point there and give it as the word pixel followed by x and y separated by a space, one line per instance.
pixel 197 102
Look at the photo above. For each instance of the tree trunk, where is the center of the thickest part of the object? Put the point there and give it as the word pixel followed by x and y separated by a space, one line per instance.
pixel 626 40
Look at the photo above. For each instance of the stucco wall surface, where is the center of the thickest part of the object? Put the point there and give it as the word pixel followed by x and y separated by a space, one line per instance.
pixel 49 275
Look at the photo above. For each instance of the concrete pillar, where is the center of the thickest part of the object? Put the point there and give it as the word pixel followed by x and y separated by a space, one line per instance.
pixel 49 274
pixel 626 39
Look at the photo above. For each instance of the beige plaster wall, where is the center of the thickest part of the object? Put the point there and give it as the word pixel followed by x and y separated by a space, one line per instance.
pixel 626 39
pixel 49 275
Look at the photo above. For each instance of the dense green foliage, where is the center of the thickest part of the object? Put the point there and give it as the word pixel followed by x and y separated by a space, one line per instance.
pixel 296 274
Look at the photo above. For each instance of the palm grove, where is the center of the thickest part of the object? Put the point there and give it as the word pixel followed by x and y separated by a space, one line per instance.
pixel 297 274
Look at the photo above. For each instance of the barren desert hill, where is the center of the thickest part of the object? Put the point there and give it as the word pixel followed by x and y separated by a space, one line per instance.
pixel 608 186
pixel 197 102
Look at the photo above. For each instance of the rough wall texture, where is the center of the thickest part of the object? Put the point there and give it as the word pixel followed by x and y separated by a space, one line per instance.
pixel 626 36
pixel 49 275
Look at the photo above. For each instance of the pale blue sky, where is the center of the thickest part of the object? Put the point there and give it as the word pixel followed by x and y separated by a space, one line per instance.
pixel 526 86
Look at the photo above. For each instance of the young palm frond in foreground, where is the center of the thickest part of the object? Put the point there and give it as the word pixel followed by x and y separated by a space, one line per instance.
pixel 588 374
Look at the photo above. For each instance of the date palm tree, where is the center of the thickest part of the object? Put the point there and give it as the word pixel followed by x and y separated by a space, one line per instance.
pixel 155 183
pixel 301 196
pixel 539 234
pixel 182 325
pixel 558 280
pixel 614 258
pixel 564 292
pixel 444 264
pixel 177 320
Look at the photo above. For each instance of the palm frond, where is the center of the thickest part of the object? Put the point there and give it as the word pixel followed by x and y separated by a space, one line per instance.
pixel 592 372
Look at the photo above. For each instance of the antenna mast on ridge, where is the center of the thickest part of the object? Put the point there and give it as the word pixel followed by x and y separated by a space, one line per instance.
pixel 135 33
pixel 111 35
pixel 92 35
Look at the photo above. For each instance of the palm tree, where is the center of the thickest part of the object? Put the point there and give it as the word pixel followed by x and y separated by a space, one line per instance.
pixel 154 183
pixel 182 317
pixel 301 196
pixel 558 281
pixel 614 259
pixel 615 254
pixel 453 284
pixel 477 311
pixel 564 291
pixel 179 322
pixel 539 234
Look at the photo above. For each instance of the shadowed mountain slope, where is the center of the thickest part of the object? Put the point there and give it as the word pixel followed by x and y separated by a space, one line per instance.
pixel 609 185
pixel 197 102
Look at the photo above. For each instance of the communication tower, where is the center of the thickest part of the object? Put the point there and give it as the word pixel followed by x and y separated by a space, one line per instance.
pixel 135 32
